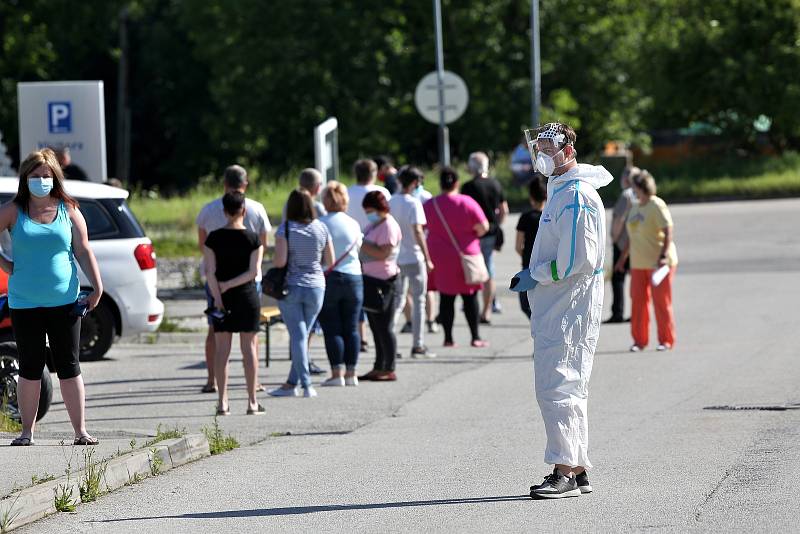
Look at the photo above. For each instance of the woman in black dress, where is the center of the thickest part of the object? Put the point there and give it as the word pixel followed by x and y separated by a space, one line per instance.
pixel 232 256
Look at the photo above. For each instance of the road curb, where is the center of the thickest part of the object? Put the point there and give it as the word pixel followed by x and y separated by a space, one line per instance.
pixel 31 504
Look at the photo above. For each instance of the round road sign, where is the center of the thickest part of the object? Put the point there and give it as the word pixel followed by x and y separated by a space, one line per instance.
pixel 456 97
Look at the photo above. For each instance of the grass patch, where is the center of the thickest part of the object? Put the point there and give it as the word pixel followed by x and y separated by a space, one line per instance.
pixel 219 442
pixel 63 500
pixel 92 476
pixel 7 423
pixel 169 221
pixel 165 434
pixel 156 462
pixel 169 326
pixel 8 516
pixel 47 477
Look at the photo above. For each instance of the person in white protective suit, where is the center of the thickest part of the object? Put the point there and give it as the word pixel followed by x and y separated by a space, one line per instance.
pixel 565 290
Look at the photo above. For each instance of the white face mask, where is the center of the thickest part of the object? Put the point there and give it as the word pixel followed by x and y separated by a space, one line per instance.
pixel 546 164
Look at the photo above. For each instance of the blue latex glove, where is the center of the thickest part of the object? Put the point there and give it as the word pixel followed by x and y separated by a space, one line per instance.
pixel 522 281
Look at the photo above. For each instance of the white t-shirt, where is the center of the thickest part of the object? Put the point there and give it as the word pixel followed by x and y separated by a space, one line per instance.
pixel 423 195
pixel 357 193
pixel 407 210
pixel 212 217
pixel 344 231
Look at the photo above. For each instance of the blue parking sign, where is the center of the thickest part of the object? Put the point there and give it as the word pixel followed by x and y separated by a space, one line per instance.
pixel 59 117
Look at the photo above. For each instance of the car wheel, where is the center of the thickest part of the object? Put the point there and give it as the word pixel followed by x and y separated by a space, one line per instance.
pixel 9 374
pixel 97 333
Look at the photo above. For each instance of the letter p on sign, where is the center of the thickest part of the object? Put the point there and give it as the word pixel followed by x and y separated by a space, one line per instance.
pixel 59 117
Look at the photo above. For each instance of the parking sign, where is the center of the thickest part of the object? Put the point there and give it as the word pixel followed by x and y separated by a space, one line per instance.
pixel 59 117
pixel 65 115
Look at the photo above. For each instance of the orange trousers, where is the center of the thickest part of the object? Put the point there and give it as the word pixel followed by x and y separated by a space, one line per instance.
pixel 641 288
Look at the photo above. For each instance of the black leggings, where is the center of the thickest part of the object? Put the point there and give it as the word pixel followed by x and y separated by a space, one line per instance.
pixel 63 331
pixel 382 326
pixel 447 312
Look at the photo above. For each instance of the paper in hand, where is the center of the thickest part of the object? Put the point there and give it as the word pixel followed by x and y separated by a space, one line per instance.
pixel 659 275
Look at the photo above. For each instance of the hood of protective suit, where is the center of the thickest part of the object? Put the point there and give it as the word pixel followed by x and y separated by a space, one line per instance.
pixel 595 175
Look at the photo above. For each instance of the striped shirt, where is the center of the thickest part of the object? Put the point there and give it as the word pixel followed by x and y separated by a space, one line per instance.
pixel 306 243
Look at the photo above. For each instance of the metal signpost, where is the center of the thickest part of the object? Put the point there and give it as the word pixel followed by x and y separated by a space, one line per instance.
pixel 536 72
pixel 441 96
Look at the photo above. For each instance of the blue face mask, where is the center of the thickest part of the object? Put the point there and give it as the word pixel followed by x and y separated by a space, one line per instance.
pixel 373 217
pixel 418 191
pixel 40 187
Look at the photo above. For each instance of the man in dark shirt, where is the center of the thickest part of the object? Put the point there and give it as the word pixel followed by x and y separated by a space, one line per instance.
pixel 71 170
pixel 527 227
pixel 488 193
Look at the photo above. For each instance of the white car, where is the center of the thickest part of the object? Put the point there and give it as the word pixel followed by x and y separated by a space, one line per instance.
pixel 127 266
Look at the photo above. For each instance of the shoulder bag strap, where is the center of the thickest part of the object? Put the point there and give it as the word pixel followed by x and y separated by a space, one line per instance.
pixel 341 258
pixel 286 234
pixel 447 227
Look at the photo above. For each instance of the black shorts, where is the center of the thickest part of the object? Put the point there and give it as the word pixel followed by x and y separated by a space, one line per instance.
pixel 60 327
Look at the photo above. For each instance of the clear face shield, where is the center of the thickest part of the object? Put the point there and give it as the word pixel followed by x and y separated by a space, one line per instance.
pixel 544 149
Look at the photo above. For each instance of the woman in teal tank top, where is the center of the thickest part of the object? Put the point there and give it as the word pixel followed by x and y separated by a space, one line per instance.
pixel 48 236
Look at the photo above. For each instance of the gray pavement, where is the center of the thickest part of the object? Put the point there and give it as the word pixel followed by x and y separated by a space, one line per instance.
pixel 457 441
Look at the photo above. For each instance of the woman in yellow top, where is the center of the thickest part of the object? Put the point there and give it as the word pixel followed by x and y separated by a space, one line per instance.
pixel 650 248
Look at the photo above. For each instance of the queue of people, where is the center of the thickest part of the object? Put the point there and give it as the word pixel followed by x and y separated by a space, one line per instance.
pixel 353 256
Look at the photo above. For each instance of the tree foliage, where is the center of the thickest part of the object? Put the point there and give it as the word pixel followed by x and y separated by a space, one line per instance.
pixel 213 81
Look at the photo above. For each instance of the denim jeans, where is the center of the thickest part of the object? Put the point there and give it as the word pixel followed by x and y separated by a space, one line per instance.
pixel 299 310
pixel 487 243
pixel 416 276
pixel 341 311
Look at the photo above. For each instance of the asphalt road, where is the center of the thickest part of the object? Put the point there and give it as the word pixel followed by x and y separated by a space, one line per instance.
pixel 456 442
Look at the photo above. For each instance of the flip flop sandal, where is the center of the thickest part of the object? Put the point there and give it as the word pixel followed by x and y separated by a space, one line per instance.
pixel 86 440
pixel 220 411
pixel 22 442
pixel 258 411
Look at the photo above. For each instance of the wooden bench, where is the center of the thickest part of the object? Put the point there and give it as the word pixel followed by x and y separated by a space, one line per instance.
pixel 269 316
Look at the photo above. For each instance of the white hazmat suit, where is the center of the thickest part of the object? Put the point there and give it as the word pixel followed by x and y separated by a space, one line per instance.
pixel 567 262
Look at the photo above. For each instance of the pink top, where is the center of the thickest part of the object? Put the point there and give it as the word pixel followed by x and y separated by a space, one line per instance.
pixel 462 213
pixel 387 232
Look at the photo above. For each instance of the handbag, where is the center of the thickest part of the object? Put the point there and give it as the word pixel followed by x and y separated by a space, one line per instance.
pixel 273 283
pixel 499 239
pixel 473 265
pixel 378 294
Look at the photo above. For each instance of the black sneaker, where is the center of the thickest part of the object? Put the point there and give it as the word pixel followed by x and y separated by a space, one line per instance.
pixel 407 328
pixel 555 486
pixel 582 481
pixel 315 369
pixel 422 352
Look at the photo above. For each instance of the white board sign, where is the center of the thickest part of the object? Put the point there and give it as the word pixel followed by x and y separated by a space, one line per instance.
pixel 65 114
pixel 326 150
pixel 456 97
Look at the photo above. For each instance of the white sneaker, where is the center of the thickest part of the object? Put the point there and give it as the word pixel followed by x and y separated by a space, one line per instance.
pixel 662 347
pixel 334 382
pixel 635 348
pixel 351 381
pixel 280 392
pixel 309 392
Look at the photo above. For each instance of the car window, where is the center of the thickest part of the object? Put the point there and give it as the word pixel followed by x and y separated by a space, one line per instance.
pixel 98 222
